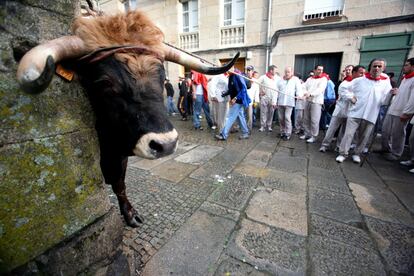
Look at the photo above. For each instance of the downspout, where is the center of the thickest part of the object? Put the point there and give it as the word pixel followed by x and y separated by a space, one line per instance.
pixel 269 18
pixel 343 25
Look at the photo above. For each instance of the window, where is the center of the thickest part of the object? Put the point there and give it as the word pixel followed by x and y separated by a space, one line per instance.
pixel 322 9
pixel 190 16
pixel 233 12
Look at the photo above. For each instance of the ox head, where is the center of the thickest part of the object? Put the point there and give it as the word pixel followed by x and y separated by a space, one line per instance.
pixel 125 86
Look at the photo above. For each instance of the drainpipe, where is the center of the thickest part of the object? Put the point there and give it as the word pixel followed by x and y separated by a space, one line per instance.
pixel 343 25
pixel 269 18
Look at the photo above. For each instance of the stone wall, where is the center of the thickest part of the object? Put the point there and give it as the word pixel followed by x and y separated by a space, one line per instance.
pixel 51 185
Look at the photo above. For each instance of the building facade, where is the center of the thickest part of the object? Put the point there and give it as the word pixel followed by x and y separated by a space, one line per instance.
pixel 298 33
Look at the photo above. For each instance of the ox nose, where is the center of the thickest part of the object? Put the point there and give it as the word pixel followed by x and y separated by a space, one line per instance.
pixel 162 149
pixel 155 145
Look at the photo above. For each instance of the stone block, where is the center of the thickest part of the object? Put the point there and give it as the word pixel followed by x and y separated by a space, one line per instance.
pixel 279 209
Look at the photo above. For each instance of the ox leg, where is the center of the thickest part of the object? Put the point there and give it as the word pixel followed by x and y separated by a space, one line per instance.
pixel 131 216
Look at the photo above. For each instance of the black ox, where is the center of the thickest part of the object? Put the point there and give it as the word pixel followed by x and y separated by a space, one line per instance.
pixel 127 99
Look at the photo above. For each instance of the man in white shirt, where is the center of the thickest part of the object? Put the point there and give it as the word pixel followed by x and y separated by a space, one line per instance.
pixel 398 115
pixel 314 91
pixel 289 86
pixel 268 97
pixel 220 105
pixel 253 93
pixel 342 104
pixel 370 92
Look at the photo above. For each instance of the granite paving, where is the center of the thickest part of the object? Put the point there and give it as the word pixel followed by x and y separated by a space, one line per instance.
pixel 264 206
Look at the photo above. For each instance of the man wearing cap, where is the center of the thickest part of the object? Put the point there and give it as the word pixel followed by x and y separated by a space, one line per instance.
pixel 268 97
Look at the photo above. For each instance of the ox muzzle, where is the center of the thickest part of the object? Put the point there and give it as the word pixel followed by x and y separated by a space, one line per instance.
pixel 155 145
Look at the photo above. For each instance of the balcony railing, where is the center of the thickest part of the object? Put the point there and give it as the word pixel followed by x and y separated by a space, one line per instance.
pixel 189 40
pixel 232 35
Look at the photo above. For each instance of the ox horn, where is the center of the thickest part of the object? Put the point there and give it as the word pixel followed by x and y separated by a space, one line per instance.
pixel 181 57
pixel 37 66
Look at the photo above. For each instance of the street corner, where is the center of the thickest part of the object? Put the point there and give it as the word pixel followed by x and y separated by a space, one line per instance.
pixel 269 249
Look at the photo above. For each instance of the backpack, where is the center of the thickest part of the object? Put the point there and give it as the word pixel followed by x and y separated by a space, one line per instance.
pixel 329 95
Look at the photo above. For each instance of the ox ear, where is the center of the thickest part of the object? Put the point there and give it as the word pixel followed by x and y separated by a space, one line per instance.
pixel 198 64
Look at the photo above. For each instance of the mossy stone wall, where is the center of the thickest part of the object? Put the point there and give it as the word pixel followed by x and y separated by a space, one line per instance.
pixel 50 180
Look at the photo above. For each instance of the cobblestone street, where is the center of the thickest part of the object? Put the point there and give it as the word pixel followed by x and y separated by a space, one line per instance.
pixel 264 206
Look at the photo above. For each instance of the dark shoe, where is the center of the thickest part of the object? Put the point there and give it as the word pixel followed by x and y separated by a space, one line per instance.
pixel 244 136
pixel 220 137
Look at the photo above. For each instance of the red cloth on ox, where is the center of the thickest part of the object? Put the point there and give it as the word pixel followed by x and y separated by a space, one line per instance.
pixel 199 78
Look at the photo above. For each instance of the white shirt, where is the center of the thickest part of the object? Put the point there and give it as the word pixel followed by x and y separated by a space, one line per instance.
pixel 270 94
pixel 344 100
pixel 403 102
pixel 218 85
pixel 316 88
pixel 253 93
pixel 288 90
pixel 370 95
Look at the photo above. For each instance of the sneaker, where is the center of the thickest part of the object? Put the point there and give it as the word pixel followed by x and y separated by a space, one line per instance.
pixel 340 158
pixel 303 137
pixel 270 129
pixel 407 163
pixel 244 136
pixel 390 157
pixel 411 171
pixel 261 129
pixel 356 159
pixel 322 149
pixel 311 140
pixel 220 137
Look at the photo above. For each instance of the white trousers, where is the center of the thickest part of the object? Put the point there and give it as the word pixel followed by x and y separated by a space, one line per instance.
pixel 393 135
pixel 285 121
pixel 353 125
pixel 311 117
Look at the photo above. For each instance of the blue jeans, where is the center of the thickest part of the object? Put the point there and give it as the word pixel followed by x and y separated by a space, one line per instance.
pixel 170 105
pixel 235 112
pixel 198 105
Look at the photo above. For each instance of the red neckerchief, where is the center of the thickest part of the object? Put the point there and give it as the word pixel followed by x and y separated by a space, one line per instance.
pixel 270 76
pixel 410 75
pixel 381 77
pixel 321 76
pixel 348 78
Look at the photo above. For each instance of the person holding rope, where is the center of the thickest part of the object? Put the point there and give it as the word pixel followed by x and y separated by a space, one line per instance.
pixel 369 94
pixel 399 114
pixel 314 91
pixel 289 87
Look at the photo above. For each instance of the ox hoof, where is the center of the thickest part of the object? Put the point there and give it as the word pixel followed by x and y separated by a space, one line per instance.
pixel 132 218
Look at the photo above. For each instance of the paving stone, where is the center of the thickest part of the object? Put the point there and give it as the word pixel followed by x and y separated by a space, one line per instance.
pixel 220 211
pixel 234 267
pixel 396 244
pixel 365 174
pixel 289 164
pixel 199 155
pixel 220 165
pixel 174 171
pixel 333 205
pixel 266 147
pixel 147 164
pixel 340 232
pixel 404 191
pixel 234 192
pixel 270 249
pixel 279 209
pixel 330 257
pixel 194 249
pixel 328 180
pixel 380 203
pixel 288 182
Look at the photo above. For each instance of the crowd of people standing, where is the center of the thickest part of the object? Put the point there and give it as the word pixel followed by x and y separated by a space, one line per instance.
pixel 365 102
